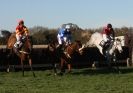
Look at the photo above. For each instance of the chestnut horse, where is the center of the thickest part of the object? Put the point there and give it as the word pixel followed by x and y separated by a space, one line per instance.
pixel 24 53
pixel 67 55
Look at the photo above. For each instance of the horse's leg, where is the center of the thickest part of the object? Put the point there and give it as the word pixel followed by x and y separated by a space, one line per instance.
pixel 30 63
pixel 9 60
pixel 55 68
pixel 69 66
pixel 22 65
pixel 62 65
pixel 116 62
pixel 108 60
pixel 54 60
pixel 8 65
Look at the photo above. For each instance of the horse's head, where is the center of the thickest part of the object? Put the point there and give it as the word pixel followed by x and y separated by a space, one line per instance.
pixel 52 46
pixel 118 45
pixel 77 46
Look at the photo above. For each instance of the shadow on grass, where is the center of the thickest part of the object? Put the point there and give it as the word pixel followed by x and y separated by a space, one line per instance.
pixel 90 71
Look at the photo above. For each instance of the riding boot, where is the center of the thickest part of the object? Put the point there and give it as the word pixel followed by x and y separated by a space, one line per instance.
pixel 16 49
pixel 20 45
pixel 16 45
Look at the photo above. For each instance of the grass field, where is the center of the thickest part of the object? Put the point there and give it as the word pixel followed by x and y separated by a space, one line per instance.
pixel 79 81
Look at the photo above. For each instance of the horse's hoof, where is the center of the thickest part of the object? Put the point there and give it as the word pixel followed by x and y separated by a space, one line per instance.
pixel 8 70
pixel 61 74
pixel 55 74
pixel 34 75
pixel 70 71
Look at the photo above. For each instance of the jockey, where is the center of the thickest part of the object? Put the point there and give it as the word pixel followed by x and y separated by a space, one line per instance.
pixel 108 35
pixel 21 31
pixel 68 35
pixel 64 35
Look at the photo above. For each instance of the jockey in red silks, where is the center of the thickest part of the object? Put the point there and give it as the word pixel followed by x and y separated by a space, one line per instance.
pixel 21 32
pixel 108 35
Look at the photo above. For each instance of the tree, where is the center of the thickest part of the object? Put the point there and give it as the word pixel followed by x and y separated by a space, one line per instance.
pixel 5 33
pixel 4 36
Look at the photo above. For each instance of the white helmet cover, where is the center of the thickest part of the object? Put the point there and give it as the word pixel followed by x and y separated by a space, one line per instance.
pixel 67 26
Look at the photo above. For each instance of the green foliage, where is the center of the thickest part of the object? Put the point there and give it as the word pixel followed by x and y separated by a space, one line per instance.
pixel 43 35
pixel 121 31
pixel 4 36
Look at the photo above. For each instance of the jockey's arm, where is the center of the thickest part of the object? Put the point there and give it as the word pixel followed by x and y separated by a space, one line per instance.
pixel 26 31
pixel 18 32
pixel 112 35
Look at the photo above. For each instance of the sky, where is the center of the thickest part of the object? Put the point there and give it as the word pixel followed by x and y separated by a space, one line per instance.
pixel 53 13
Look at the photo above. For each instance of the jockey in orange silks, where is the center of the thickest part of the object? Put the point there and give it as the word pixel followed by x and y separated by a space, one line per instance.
pixel 21 32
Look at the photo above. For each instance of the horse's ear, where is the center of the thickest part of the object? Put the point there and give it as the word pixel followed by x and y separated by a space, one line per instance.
pixel 78 41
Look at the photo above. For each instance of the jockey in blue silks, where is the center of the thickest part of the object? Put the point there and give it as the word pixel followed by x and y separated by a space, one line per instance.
pixel 64 35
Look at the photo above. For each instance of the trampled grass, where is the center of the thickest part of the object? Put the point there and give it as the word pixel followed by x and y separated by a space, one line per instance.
pixel 79 81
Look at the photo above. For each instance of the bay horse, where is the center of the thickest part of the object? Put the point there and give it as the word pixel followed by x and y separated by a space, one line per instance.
pixel 96 39
pixel 24 53
pixel 67 55
pixel 53 56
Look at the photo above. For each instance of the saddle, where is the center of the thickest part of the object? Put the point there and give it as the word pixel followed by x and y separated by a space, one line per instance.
pixel 19 44
pixel 12 41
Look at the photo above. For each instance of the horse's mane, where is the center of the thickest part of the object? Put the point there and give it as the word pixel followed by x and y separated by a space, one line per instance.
pixel 11 41
pixel 97 35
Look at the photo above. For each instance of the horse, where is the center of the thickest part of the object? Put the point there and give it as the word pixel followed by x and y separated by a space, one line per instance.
pixel 67 55
pixel 24 53
pixel 110 52
pixel 52 54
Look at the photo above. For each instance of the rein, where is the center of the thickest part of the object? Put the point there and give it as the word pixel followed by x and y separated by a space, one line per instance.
pixel 24 52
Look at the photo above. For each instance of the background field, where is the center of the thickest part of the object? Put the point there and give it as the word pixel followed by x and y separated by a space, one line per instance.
pixel 79 81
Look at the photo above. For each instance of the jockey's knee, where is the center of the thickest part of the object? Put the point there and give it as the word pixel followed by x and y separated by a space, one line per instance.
pixel 102 44
pixel 18 44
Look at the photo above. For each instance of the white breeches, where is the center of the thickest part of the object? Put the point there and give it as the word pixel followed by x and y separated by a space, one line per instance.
pixel 62 40
pixel 18 37
pixel 105 38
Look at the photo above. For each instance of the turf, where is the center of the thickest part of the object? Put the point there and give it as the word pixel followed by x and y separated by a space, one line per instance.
pixel 79 81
